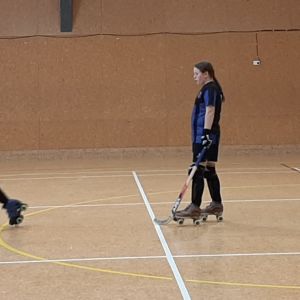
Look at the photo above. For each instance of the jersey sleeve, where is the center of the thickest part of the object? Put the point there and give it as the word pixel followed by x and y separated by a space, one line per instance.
pixel 210 96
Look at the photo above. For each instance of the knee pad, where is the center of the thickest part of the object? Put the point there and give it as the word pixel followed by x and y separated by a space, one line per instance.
pixel 210 173
pixel 198 186
pixel 199 173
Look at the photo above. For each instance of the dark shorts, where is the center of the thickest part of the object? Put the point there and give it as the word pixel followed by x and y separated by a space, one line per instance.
pixel 212 152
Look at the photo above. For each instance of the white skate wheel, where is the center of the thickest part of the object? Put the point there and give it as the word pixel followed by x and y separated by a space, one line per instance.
pixel 24 207
pixel 180 221
pixel 19 219
pixel 197 222
pixel 219 218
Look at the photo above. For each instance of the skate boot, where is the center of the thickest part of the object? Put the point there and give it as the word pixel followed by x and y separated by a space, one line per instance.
pixel 214 208
pixel 192 211
pixel 14 210
pixel 185 209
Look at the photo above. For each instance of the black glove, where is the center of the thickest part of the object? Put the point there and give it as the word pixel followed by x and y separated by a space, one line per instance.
pixel 205 139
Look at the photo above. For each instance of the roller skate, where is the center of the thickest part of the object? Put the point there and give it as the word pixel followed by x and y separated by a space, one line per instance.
pixel 192 211
pixel 14 210
pixel 214 208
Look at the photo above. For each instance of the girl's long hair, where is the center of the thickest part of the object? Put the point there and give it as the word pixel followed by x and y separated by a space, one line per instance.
pixel 206 66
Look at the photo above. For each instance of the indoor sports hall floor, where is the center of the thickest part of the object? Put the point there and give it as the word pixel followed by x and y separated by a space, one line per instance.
pixel 88 232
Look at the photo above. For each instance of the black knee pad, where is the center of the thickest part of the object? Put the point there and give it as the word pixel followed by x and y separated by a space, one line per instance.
pixel 199 173
pixel 210 173
pixel 198 186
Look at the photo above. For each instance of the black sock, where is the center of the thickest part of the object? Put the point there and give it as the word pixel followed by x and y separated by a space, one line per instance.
pixel 3 198
pixel 213 183
pixel 198 186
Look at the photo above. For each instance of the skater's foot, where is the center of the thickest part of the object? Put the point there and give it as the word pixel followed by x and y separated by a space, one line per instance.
pixel 14 209
pixel 191 211
pixel 213 208
pixel 185 209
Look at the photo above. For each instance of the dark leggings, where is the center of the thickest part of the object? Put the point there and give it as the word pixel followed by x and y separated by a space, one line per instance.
pixel 213 183
pixel 198 186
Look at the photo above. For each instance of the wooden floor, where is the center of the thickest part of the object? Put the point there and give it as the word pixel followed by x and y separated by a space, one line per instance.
pixel 88 232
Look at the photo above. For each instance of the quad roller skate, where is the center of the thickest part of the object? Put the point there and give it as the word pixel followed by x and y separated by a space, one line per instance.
pixel 14 210
pixel 192 211
pixel 215 209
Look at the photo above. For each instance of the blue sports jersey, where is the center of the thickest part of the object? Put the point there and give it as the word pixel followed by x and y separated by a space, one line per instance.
pixel 209 95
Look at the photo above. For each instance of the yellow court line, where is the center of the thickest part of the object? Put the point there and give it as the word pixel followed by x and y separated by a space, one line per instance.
pixel 238 284
pixel 139 275
pixel 22 253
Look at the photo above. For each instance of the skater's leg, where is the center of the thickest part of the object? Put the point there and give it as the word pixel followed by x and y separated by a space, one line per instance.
pixel 216 206
pixel 198 179
pixel 198 186
pixel 213 182
pixel 3 198
pixel 13 207
pixel 193 209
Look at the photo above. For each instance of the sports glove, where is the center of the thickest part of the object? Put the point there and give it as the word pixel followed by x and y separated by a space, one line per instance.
pixel 205 139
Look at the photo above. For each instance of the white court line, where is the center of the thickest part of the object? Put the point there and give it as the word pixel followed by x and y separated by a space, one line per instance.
pixel 179 280
pixel 84 171
pixel 64 177
pixel 220 173
pixel 260 186
pixel 4 177
pixel 220 255
pixel 64 173
pixel 156 203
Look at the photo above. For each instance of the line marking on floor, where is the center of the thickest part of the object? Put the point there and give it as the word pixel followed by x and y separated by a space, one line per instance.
pixel 113 171
pixel 143 173
pixel 171 261
pixel 156 203
pixel 12 249
pixel 291 168
pixel 3 178
pixel 188 256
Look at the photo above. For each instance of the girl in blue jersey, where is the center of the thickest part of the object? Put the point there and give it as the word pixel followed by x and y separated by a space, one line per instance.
pixel 205 133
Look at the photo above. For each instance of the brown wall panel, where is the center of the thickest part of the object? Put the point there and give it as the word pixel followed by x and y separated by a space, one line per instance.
pixel 133 16
pixel 48 17
pixel 143 16
pixel 137 91
pixel 30 17
pixel 230 15
pixel 19 100
pixel 87 16
pixel 67 134
pixel 19 135
pixel 18 17
pixel 134 132
pixel 134 76
pixel 18 79
pixel 70 78
pixel 116 86
pixel 108 81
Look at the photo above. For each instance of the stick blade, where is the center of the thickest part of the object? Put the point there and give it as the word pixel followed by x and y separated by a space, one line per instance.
pixel 163 222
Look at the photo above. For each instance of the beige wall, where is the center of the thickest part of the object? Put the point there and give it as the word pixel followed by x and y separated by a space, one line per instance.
pixel 123 87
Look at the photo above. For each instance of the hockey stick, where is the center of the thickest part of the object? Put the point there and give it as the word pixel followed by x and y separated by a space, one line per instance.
pixel 183 190
pixel 291 168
